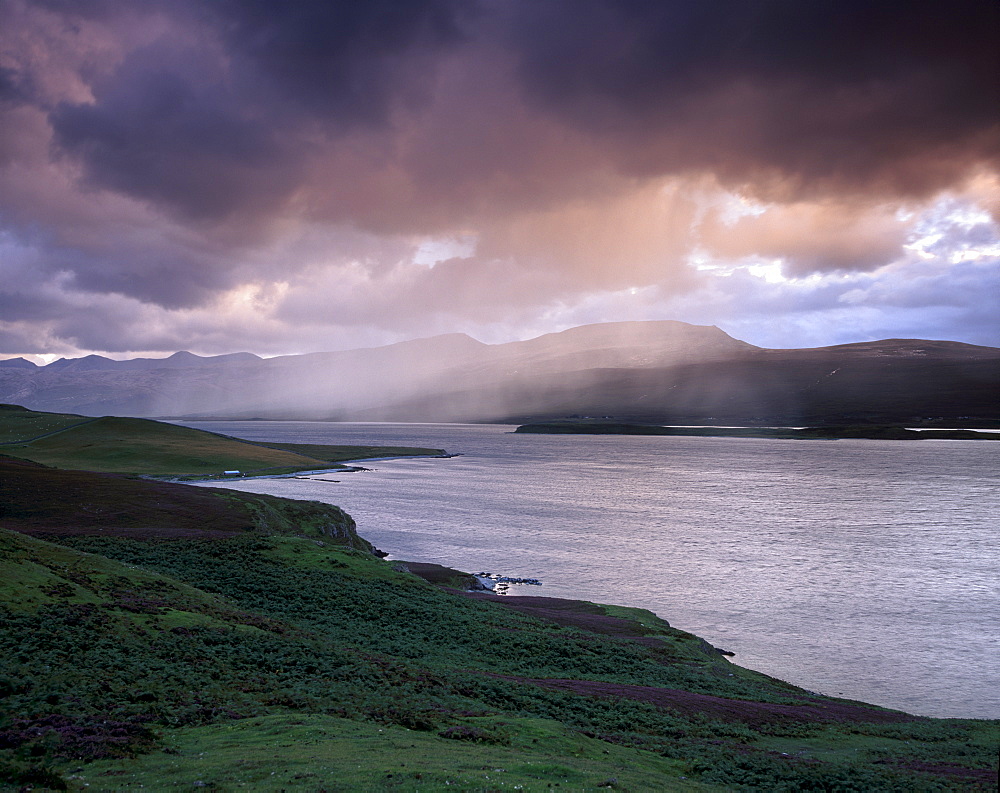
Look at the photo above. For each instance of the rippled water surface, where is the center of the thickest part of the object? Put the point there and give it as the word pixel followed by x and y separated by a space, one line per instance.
pixel 854 567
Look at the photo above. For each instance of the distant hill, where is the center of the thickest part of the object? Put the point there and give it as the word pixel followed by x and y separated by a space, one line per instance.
pixel 179 360
pixel 664 372
pixel 618 345
pixel 903 381
pixel 17 363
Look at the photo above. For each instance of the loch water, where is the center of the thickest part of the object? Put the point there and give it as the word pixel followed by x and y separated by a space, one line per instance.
pixel 858 568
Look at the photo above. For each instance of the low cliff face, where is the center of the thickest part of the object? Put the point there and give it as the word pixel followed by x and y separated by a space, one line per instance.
pixel 38 500
pixel 273 515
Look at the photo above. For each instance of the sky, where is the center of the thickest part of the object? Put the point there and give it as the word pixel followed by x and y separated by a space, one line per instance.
pixel 229 175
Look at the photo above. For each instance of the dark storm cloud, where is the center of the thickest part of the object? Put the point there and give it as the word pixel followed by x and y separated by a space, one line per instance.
pixel 168 276
pixel 639 50
pixel 230 110
pixel 16 306
pixel 174 155
pixel 837 93
pixel 343 60
pixel 12 91
pixel 210 121
pixel 164 129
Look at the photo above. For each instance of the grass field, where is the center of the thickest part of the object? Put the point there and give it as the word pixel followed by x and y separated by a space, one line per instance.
pixel 20 425
pixel 153 448
pixel 287 752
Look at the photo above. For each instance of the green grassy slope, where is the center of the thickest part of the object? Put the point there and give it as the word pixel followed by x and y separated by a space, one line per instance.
pixel 317 752
pixel 18 424
pixel 153 674
pixel 176 661
pixel 143 446
pixel 124 445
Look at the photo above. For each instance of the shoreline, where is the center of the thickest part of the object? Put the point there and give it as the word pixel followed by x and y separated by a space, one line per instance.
pixel 343 468
pixel 585 590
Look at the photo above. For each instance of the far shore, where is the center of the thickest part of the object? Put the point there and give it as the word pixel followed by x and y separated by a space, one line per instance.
pixel 826 432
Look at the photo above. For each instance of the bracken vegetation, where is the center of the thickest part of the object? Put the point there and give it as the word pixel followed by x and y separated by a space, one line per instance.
pixel 269 648
pixel 117 649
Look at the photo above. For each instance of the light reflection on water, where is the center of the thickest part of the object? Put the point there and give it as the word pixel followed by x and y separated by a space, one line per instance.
pixel 855 567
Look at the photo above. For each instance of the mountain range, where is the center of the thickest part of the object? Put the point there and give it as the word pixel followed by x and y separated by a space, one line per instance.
pixel 660 371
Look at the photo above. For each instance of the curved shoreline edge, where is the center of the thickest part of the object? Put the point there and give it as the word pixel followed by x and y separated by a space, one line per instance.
pixel 464 581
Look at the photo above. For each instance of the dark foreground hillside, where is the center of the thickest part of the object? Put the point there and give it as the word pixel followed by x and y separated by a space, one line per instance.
pixel 276 651
pixel 38 500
